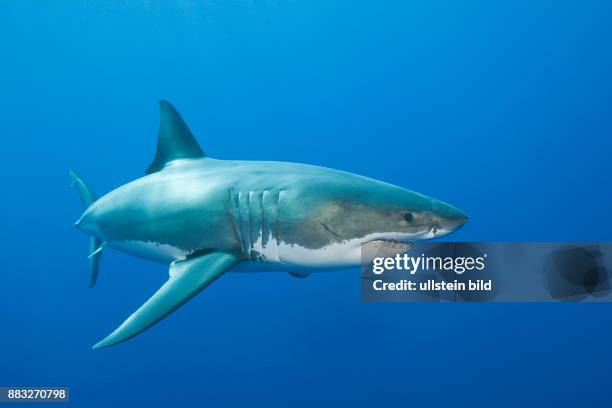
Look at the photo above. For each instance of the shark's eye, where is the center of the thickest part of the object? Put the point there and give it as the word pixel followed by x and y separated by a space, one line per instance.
pixel 408 217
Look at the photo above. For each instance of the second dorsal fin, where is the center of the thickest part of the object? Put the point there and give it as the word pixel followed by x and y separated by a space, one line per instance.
pixel 175 140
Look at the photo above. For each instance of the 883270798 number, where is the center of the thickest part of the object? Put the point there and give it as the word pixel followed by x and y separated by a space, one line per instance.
pixel 34 394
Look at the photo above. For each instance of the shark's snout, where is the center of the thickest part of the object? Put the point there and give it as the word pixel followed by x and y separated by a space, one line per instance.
pixel 449 220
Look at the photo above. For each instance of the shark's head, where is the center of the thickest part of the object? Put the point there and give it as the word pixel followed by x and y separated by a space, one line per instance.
pixel 374 210
pixel 346 212
pixel 386 212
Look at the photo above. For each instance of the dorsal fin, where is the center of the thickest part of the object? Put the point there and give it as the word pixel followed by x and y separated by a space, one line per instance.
pixel 175 140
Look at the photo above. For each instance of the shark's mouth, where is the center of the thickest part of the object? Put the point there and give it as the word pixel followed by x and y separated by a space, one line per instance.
pixel 409 239
pixel 403 242
pixel 393 245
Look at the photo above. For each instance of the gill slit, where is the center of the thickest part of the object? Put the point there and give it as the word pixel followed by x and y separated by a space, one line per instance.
pixel 253 213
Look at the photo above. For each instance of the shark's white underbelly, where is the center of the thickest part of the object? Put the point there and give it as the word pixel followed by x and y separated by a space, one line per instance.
pixel 153 251
pixel 278 257
pixel 333 256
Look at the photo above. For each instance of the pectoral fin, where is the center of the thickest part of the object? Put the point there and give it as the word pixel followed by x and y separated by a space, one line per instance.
pixel 187 278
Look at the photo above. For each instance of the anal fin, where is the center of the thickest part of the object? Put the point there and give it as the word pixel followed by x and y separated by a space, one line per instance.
pixel 96 247
pixel 187 278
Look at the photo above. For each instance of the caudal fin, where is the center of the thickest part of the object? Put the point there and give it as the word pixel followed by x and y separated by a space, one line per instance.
pixel 87 197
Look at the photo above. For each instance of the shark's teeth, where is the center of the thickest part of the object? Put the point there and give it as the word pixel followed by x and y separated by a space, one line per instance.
pixel 394 243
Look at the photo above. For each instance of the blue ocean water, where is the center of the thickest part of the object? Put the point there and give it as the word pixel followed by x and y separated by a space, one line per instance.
pixel 502 108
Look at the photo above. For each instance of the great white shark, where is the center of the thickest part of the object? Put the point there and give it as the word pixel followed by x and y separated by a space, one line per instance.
pixel 204 217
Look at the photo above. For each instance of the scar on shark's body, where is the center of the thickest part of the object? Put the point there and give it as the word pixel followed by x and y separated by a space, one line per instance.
pixel 204 217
